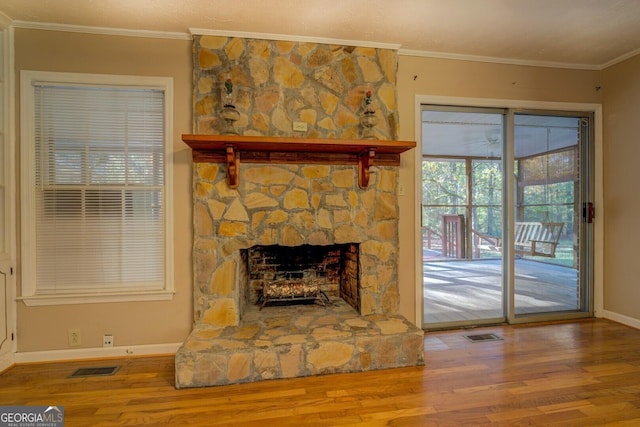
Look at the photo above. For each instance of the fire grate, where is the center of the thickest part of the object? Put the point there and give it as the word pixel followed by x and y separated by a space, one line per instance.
pixel 483 337
pixel 292 290
pixel 94 372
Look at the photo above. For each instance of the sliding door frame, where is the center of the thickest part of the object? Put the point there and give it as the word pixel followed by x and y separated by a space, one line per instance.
pixel 508 264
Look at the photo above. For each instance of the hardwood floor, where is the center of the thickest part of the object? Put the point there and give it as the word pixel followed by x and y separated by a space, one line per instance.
pixel 583 373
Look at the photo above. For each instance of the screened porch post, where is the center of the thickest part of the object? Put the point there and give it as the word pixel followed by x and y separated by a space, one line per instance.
pixel 519 193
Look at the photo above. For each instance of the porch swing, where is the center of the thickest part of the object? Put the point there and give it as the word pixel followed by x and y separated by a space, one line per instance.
pixel 530 237
pixel 539 238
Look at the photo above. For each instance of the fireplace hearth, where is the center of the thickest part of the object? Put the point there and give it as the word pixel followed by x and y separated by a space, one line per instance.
pixel 297 341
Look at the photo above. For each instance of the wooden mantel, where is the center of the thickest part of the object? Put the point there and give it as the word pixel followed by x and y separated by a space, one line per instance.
pixel 231 149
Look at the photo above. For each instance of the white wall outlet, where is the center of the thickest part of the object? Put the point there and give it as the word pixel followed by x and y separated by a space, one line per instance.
pixel 401 190
pixel 107 340
pixel 74 338
pixel 300 126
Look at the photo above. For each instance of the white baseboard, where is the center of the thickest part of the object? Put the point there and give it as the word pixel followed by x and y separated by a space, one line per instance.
pixel 96 353
pixel 620 318
pixel 7 361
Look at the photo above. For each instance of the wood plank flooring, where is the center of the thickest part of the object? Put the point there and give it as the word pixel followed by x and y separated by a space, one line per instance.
pixel 583 373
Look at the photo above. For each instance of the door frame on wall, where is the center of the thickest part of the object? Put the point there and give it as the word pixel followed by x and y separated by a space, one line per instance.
pixel 8 339
pixel 596 109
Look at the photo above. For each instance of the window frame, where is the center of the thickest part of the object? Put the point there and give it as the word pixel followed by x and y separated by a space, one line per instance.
pixel 30 294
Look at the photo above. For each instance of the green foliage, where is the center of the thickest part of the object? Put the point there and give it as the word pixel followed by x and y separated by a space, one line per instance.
pixel 444 182
pixel 445 191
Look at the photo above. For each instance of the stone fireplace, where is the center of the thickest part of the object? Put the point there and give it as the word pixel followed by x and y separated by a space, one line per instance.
pixel 319 217
pixel 291 211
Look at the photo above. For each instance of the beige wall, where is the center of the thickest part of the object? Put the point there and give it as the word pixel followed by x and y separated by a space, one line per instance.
pixel 45 328
pixel 621 111
pixel 454 78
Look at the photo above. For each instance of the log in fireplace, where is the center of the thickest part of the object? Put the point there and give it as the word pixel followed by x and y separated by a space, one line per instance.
pixel 292 291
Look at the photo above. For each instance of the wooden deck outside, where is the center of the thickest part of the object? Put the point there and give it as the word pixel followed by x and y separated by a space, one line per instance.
pixel 584 373
pixel 457 291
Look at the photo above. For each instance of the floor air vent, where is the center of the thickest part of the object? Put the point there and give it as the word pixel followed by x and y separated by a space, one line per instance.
pixel 483 337
pixel 95 372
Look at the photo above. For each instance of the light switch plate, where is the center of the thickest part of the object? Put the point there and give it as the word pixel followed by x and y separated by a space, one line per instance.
pixel 300 126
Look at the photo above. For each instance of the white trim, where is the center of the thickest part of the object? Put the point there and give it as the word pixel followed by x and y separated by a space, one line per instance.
pixel 10 206
pixel 598 225
pixel 507 103
pixel 64 299
pixel 293 38
pixel 93 79
pixel 96 353
pixel 598 220
pixel 491 59
pixel 7 361
pixel 109 31
pixel 10 139
pixel 8 311
pixel 621 318
pixel 620 59
pixel 27 159
pixel 168 187
pixel 27 181
pixel 419 267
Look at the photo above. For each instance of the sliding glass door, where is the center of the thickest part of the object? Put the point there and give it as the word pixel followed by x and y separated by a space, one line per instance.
pixel 497 249
pixel 550 165
pixel 462 192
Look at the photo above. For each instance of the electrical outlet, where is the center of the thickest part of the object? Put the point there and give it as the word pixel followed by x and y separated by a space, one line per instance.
pixel 74 337
pixel 401 189
pixel 107 340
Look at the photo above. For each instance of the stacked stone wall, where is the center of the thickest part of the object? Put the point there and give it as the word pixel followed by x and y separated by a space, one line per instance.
pixel 291 205
pixel 277 83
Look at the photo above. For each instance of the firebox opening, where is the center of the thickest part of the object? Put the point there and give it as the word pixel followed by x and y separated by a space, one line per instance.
pixel 300 274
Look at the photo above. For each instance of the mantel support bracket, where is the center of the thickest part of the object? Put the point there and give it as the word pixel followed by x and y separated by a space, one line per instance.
pixel 233 166
pixel 365 161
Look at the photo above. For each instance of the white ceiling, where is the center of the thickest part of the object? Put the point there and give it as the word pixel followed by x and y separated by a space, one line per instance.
pixel 589 34
pixel 479 134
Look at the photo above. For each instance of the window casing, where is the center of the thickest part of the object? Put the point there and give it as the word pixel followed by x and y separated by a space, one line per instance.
pixel 95 173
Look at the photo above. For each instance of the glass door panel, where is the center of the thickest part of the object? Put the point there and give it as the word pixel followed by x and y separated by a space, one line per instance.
pixel 462 216
pixel 547 214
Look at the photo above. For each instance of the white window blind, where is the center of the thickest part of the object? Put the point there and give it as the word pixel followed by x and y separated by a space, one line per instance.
pixel 99 187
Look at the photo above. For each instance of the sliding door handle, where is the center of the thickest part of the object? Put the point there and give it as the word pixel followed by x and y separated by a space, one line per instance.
pixel 588 212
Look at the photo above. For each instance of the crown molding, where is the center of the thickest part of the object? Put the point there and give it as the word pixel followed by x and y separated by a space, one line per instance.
pixel 49 26
pixel 620 59
pixel 292 38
